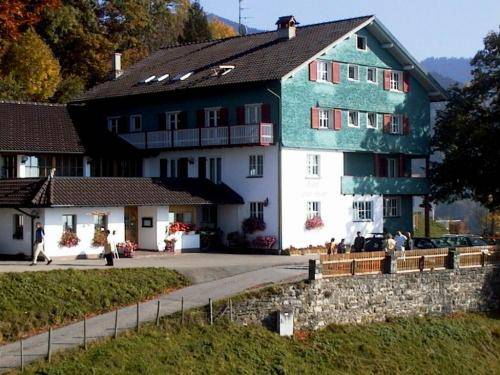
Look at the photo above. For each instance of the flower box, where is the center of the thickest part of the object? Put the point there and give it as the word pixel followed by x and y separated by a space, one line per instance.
pixel 314 223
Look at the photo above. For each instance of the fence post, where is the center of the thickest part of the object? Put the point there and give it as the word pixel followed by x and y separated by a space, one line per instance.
pixel 230 309
pixel 353 267
pixel 421 263
pixel 22 354
pixel 211 311
pixel 158 313
pixel 315 271
pixel 182 310
pixel 49 345
pixel 483 259
pixel 85 333
pixel 137 320
pixel 453 258
pixel 391 263
pixel 116 324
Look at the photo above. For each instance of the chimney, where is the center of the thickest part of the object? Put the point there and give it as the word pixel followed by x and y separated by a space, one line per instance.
pixel 287 26
pixel 117 65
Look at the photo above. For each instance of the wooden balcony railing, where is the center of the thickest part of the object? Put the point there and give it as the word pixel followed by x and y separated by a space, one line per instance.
pixel 253 134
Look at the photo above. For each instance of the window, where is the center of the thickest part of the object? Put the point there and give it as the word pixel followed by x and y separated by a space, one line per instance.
pixel 69 223
pixel 353 72
pixel 114 124
pixel 396 81
pixel 172 120
pixel 361 42
pixel 392 167
pixel 173 168
pixel 362 211
pixel 396 124
pixel 215 170
pixel 135 123
pixel 37 166
pixel 371 120
pixel 18 228
pixel 324 119
pixel 256 165
pixel 69 166
pixel 392 206
pixel 212 117
pixel 8 164
pixel 163 168
pixel 312 165
pixel 100 221
pixel 371 75
pixel 253 114
pixel 323 71
pixel 257 210
pixel 353 118
pixel 209 215
pixel 313 210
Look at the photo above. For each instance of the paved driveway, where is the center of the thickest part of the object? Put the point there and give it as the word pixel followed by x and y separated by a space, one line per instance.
pixel 200 267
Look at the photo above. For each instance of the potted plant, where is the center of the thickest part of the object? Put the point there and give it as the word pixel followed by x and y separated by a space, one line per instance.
pixel 68 239
pixel 314 223
pixel 252 225
pixel 99 238
pixel 128 248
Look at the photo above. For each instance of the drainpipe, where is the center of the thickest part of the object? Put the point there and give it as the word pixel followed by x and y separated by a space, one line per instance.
pixel 280 219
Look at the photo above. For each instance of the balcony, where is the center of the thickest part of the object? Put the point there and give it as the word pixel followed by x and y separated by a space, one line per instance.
pixel 257 134
pixel 384 185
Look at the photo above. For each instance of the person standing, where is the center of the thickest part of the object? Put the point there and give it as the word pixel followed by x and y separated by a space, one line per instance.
pixel 341 246
pixel 332 247
pixel 359 243
pixel 400 241
pixel 409 242
pixel 108 253
pixel 389 244
pixel 39 245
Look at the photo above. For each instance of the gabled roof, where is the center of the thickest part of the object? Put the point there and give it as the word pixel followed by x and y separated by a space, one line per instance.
pixel 257 58
pixel 113 192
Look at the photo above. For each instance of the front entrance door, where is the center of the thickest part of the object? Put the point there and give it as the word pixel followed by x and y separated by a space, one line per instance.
pixel 131 224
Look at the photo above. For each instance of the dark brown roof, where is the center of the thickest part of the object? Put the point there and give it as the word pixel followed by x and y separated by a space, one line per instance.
pixel 256 57
pixel 113 192
pixel 37 127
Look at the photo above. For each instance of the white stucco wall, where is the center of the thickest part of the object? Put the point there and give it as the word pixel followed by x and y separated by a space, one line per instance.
pixel 336 209
pixel 153 238
pixel 235 164
pixel 9 245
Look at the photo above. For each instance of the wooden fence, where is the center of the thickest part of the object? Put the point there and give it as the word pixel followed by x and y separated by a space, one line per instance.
pixel 409 261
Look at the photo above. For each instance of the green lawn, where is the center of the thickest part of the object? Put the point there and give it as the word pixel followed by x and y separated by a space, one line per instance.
pixel 467 344
pixel 31 301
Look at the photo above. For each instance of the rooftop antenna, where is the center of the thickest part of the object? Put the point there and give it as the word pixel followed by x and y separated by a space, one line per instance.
pixel 242 29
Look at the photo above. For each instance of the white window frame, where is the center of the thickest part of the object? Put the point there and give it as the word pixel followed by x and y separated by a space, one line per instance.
pixel 212 114
pixel 392 206
pixel 172 119
pixel 356 75
pixel 73 222
pixel 396 81
pixel 215 170
pixel 114 124
pixel 313 162
pixel 324 118
pixel 392 167
pixel 253 113
pixel 365 43
pixel 396 124
pixel 257 210
pixel 375 75
pixel 323 74
pixel 255 165
pixel 362 210
pixel 368 126
pixel 313 209
pixel 132 127
pixel 18 223
pixel 352 124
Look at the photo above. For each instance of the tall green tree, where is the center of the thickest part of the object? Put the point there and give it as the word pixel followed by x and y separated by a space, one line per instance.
pixel 467 134
pixel 29 69
pixel 196 27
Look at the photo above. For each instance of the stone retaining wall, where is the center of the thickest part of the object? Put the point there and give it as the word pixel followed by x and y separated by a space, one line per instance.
pixel 371 298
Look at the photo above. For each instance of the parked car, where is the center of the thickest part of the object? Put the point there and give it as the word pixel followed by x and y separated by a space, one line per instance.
pixel 374 243
pixel 461 240
pixel 430 243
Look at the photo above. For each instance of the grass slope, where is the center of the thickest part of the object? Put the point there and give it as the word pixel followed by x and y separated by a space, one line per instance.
pixel 467 344
pixel 30 301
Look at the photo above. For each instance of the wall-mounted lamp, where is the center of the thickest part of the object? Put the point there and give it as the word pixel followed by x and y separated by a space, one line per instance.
pixel 266 202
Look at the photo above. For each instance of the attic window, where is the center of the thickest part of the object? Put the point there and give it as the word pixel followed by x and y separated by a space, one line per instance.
pixel 222 70
pixel 149 79
pixel 361 42
pixel 163 77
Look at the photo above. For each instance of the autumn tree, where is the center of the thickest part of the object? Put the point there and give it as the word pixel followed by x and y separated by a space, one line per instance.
pixel 196 27
pixel 220 30
pixel 30 69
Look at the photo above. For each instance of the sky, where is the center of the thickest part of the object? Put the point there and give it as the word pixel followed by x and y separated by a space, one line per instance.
pixel 439 28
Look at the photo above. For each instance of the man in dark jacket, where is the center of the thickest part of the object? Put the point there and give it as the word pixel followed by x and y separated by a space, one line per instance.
pixel 359 242
pixel 39 245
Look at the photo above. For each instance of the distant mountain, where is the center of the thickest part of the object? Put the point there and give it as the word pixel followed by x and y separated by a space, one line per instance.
pixel 445 82
pixel 234 25
pixel 456 68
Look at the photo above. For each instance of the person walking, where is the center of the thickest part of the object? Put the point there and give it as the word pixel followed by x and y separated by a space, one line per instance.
pixel 389 244
pixel 113 244
pixel 359 243
pixel 39 245
pixel 108 253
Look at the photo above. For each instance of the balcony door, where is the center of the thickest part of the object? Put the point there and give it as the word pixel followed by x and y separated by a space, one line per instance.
pixel 212 117
pixel 253 114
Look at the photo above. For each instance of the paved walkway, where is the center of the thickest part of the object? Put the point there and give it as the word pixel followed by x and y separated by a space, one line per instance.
pixel 98 327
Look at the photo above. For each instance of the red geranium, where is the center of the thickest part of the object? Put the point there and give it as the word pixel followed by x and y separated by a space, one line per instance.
pixel 68 239
pixel 314 223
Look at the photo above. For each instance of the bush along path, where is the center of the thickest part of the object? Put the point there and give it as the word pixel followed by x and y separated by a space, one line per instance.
pixel 32 301
pixel 80 334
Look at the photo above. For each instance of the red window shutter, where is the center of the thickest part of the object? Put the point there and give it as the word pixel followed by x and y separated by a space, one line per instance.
pixel 335 72
pixel 401 165
pixel 224 117
pixel 266 113
pixel 406 82
pixel 376 165
pixel 406 125
pixel 337 119
pixel 313 71
pixel 387 123
pixel 387 79
pixel 240 115
pixel 315 118
pixel 200 118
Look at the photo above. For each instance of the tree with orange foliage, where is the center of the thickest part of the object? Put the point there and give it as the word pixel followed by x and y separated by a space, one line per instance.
pixel 220 30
